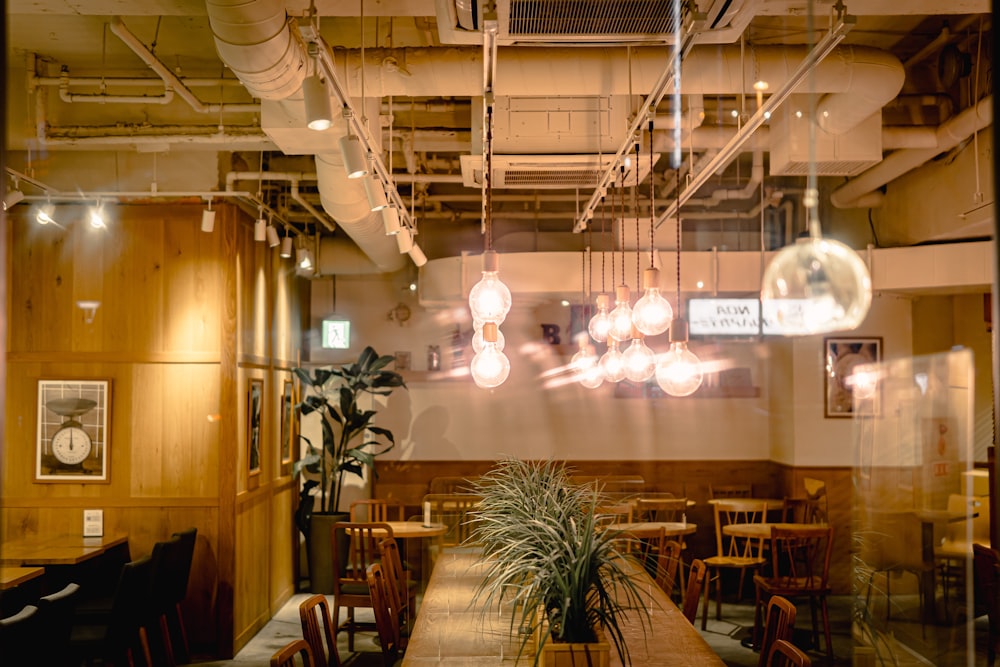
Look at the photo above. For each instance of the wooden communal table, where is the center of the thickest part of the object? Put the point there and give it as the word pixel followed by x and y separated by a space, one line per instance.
pixel 418 556
pixel 762 531
pixel 452 630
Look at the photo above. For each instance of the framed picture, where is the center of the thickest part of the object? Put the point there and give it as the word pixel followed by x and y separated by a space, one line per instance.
pixel 255 413
pixel 287 423
pixel 73 438
pixel 840 358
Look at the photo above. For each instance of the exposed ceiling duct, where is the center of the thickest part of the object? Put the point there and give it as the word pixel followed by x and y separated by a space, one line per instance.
pixel 254 39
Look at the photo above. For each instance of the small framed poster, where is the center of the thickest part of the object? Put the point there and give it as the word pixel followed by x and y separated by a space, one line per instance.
pixel 72 441
pixel 287 421
pixel 841 359
pixel 255 414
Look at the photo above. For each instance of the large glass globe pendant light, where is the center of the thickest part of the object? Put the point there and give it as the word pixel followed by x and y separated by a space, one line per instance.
pixel 638 359
pixel 817 285
pixel 584 365
pixel 621 316
pixel 478 341
pixel 600 323
pixel 490 367
pixel 490 299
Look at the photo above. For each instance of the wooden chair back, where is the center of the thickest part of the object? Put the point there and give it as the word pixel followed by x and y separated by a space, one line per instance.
pixel 20 635
pixel 350 579
pixel 800 559
pixel 784 653
pixel 402 595
pixel 55 613
pixel 732 511
pixel 667 562
pixel 615 513
pixel 659 509
pixel 779 621
pixel 286 655
pixel 730 490
pixel 181 573
pixel 386 617
pixel 815 510
pixel 696 580
pixel 317 627
pixel 452 510
pixel 376 510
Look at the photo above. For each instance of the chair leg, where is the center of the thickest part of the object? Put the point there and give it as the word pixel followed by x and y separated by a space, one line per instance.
pixel 707 585
pixel 815 624
pixel 826 627
pixel 758 602
pixel 350 629
pixel 185 649
pixel 718 596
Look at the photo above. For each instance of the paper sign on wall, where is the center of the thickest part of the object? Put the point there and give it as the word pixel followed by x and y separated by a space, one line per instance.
pixel 93 523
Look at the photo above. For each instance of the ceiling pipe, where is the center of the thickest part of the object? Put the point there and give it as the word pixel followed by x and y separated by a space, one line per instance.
pixel 861 190
pixel 103 98
pixel 171 80
pixel 748 191
pixel 294 178
pixel 255 40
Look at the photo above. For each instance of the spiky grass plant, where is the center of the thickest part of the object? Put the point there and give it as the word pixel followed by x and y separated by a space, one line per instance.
pixel 546 547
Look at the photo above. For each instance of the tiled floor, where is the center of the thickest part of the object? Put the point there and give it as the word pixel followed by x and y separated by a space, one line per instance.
pixel 724 636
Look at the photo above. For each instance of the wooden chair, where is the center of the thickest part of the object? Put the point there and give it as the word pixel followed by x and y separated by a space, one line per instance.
pixel 376 509
pixel 402 589
pixel 816 501
pixel 954 553
pixel 314 612
pixel 987 588
pixel 800 567
pixel 730 490
pixel 785 654
pixel 452 510
pixel 778 624
pixel 386 617
pixel 891 542
pixel 667 562
pixel 167 559
pixel 696 579
pixel 659 509
pixel 350 581
pixel 733 552
pixel 285 656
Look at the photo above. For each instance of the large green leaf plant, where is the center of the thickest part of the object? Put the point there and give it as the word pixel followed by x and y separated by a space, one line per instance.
pixel 350 441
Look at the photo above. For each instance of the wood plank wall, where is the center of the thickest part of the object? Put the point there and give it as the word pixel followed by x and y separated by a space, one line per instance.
pixel 410 480
pixel 185 318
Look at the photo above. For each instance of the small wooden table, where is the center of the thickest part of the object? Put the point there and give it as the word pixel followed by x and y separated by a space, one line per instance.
pixel 763 530
pixel 12 577
pixel 408 530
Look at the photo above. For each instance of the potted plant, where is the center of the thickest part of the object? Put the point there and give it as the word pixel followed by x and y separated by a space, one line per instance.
pixel 549 553
pixel 350 444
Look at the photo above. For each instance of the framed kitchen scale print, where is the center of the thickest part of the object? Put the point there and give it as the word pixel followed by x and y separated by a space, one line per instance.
pixel 73 437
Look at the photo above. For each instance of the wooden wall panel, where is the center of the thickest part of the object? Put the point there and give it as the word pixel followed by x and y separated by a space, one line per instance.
pixel 283 541
pixel 180 312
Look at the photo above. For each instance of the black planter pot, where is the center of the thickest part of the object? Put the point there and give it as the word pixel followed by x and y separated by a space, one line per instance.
pixel 320 552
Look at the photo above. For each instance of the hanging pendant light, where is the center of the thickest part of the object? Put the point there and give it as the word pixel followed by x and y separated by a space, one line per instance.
pixel 611 363
pixel 489 299
pixel 600 323
pixel 817 285
pixel 478 340
pixel 638 359
pixel 652 312
pixel 679 372
pixel 490 367
pixel 621 316
pixel 584 365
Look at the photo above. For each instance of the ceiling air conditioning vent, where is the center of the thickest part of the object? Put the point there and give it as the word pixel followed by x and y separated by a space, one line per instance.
pixel 546 172
pixel 597 21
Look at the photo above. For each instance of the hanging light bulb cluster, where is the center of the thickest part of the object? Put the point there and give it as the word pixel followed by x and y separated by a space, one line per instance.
pixel 489 299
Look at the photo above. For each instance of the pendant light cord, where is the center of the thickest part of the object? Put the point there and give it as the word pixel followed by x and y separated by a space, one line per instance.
pixel 635 198
pixel 488 178
pixel 652 195
pixel 680 313
pixel 604 254
pixel 621 221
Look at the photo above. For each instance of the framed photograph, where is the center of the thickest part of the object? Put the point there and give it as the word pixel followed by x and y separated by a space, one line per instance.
pixel 255 414
pixel 840 358
pixel 73 438
pixel 287 421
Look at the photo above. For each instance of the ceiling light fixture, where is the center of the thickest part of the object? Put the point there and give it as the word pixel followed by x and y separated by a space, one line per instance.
pixel 638 360
pixel 815 285
pixel 375 193
pixel 600 323
pixel 97 216
pixel 679 372
pixel 260 227
pixel 417 255
pixel 351 150
pixel 43 215
pixel 319 114
pixel 273 240
pixel 612 367
pixel 652 312
pixel 390 220
pixel 584 363
pixel 404 241
pixel 208 218
pixel 286 247
pixel 12 198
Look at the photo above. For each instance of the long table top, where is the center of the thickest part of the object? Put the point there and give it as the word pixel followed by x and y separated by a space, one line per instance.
pixel 57 549
pixel 451 630
pixel 12 577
